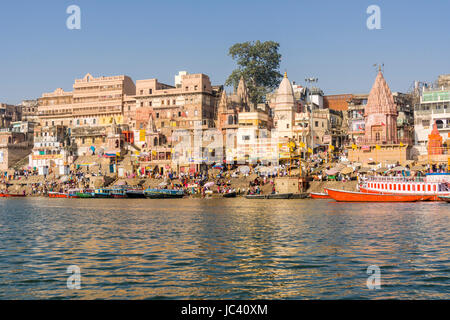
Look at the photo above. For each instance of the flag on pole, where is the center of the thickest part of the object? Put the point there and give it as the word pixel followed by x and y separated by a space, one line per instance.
pixel 401 144
pixel 354 147
pixel 310 150
pixel 377 147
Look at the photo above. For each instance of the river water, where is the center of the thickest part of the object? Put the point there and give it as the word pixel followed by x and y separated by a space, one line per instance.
pixel 222 249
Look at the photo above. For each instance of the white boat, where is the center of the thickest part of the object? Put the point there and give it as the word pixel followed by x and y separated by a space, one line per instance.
pixel 433 184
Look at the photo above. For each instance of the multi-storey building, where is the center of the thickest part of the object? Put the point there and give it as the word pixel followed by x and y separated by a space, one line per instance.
pixel 93 102
pixel 30 110
pixel 433 108
pixel 51 151
pixel 8 114
pixel 55 108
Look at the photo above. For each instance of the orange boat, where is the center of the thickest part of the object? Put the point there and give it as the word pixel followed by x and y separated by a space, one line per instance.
pixel 57 195
pixel 10 195
pixel 316 195
pixel 351 196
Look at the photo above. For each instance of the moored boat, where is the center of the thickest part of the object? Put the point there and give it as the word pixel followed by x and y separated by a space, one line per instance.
pixel 279 196
pixel 445 198
pixel 102 193
pixel 317 195
pixel 135 194
pixel 255 196
pixel 57 195
pixel 352 196
pixel 85 194
pixel 11 195
pixel 271 196
pixel 163 193
pixel 230 194
pixel 432 186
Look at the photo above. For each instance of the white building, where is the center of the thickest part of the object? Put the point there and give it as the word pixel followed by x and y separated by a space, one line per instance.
pixel 434 107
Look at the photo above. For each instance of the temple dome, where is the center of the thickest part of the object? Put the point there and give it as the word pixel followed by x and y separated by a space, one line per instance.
pixel 285 93
pixel 381 100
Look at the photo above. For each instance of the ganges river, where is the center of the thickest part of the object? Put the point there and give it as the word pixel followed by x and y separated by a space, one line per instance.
pixel 223 249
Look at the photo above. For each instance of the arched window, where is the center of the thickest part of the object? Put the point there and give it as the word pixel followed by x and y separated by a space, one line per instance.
pixel 230 119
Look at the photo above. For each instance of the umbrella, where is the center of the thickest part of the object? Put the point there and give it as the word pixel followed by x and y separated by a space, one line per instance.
pixel 331 172
pixel 218 165
pixel 418 168
pixel 347 170
pixel 162 184
pixel 364 170
pixel 121 183
pixel 381 170
pixel 399 168
pixel 209 184
pixel 244 169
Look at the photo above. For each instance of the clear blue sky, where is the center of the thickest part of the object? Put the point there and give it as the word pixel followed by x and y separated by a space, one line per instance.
pixel 155 39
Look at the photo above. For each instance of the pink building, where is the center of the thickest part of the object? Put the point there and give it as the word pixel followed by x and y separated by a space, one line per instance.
pixel 380 114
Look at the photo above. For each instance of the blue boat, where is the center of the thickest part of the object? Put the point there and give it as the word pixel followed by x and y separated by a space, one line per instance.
pixel 163 193
pixel 102 193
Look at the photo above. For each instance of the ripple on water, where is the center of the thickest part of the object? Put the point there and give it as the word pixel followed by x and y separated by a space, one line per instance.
pixel 217 249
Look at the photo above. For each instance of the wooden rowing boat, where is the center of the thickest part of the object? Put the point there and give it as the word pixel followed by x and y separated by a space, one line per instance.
pixel 270 196
pixel 57 195
pixel 445 198
pixel 316 195
pixel 11 195
pixel 230 194
pixel 351 196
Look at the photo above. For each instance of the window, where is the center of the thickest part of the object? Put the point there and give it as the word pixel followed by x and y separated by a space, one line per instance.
pixel 377 136
pixel 245 138
pixel 316 124
pixel 157 115
pixel 142 92
pixel 150 91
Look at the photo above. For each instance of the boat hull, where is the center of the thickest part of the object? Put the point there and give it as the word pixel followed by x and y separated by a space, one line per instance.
pixel 350 196
pixel 163 194
pixel 84 195
pixel 428 197
pixel 230 195
pixel 135 194
pixel 270 196
pixel 9 195
pixel 445 198
pixel 57 195
pixel 315 195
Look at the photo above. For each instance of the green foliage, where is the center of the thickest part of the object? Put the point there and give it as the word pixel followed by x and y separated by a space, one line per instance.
pixel 258 62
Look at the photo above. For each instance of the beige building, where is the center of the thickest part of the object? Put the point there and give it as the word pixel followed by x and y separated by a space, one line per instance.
pixel 93 102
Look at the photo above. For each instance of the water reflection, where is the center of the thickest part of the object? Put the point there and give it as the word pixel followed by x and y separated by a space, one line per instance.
pixel 222 248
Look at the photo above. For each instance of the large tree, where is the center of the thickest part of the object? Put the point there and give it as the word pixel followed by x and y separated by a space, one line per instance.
pixel 258 62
